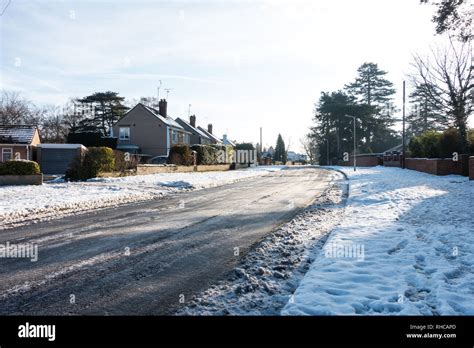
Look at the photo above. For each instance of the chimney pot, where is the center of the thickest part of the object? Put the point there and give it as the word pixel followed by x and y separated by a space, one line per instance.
pixel 192 120
pixel 162 108
pixel 209 128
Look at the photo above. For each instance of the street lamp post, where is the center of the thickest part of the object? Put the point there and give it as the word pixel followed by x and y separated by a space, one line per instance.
pixel 355 144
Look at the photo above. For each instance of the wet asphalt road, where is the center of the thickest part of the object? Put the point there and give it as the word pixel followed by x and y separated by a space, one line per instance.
pixel 142 259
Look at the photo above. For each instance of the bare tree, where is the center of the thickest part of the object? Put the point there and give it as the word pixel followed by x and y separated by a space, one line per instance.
pixel 13 108
pixel 447 78
pixel 310 146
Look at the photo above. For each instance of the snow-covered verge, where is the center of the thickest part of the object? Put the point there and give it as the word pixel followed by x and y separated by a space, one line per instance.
pixel 22 204
pixel 404 247
pixel 268 275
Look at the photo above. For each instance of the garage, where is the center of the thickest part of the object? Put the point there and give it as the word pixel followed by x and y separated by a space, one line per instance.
pixel 56 158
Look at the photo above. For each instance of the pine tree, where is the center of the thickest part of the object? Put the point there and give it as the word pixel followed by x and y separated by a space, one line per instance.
pixel 426 115
pixel 280 151
pixel 370 87
pixel 108 108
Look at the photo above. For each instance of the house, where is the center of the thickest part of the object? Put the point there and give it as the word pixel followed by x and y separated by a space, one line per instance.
pixel 208 132
pixel 56 158
pixel 295 157
pixel 18 142
pixel 226 141
pixel 147 131
pixel 197 135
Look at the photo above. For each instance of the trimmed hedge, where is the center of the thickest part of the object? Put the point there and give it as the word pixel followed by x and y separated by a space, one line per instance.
pixel 95 161
pixel 433 144
pixel 180 155
pixel 206 154
pixel 470 139
pixel 19 167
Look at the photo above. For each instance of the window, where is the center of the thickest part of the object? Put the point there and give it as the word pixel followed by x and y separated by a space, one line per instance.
pixel 7 154
pixel 174 135
pixel 124 133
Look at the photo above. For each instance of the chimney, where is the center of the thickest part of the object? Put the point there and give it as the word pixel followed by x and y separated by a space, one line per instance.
pixel 192 120
pixel 162 106
pixel 209 128
pixel 224 138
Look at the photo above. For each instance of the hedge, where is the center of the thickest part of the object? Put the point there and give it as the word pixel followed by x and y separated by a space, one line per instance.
pixel 180 155
pixel 206 154
pixel 433 144
pixel 96 160
pixel 19 167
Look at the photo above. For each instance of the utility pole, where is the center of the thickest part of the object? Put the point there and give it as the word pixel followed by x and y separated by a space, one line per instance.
pixel 261 149
pixel 403 129
pixel 355 143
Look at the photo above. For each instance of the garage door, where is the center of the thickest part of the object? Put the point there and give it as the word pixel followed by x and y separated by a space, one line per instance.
pixel 56 161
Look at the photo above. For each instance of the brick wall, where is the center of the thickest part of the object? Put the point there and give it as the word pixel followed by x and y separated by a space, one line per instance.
pixel 363 161
pixel 437 166
pixel 471 168
pixel 392 161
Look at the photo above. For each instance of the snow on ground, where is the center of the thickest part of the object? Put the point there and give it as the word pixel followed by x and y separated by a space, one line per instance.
pixel 20 204
pixel 268 275
pixel 404 247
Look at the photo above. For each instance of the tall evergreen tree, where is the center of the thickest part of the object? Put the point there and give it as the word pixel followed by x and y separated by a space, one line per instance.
pixel 372 89
pixel 107 109
pixel 280 151
pixel 334 132
pixel 427 113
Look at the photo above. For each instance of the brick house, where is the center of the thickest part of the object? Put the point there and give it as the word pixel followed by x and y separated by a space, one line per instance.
pixel 18 142
pixel 147 131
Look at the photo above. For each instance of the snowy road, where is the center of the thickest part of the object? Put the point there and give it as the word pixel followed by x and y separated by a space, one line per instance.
pixel 149 257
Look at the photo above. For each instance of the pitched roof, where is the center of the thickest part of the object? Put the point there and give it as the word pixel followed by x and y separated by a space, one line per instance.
pixel 193 129
pixel 210 135
pixel 17 134
pixel 166 120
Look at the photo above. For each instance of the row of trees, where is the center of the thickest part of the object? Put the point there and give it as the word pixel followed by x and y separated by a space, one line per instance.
pixel 442 95
pixel 95 113
pixel 370 99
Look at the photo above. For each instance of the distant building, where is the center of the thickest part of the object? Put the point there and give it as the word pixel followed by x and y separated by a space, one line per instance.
pixel 296 157
pixel 226 141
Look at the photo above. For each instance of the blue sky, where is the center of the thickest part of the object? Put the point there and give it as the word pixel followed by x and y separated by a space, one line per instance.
pixel 241 64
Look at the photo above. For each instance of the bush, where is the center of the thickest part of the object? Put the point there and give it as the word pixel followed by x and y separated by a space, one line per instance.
pixel 225 153
pixel 19 167
pixel 470 139
pixel 121 165
pixel 180 155
pixel 450 141
pixel 416 148
pixel 76 170
pixel 206 154
pixel 96 160
pixel 244 146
